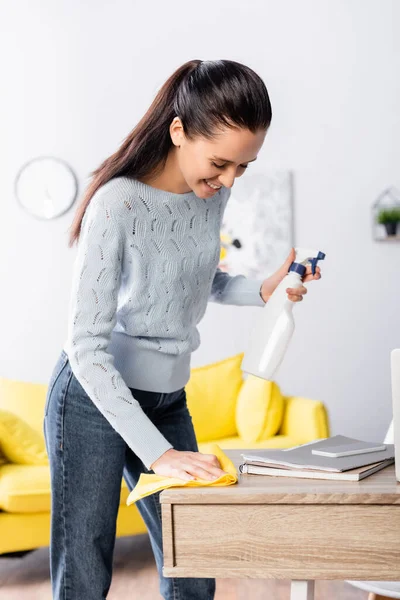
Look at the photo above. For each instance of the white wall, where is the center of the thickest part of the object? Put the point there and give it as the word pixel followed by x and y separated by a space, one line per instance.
pixel 78 76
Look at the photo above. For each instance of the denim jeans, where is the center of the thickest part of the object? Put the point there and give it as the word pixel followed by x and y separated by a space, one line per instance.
pixel 88 459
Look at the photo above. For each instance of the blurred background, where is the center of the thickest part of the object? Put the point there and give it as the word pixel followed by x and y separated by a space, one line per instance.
pixel 77 77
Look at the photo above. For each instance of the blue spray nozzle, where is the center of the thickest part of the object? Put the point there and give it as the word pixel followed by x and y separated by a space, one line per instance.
pixel 305 256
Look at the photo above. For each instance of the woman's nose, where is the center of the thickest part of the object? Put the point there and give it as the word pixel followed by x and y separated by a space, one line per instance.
pixel 227 179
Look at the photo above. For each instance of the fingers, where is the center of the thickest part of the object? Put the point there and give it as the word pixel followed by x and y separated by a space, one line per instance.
pixel 194 465
pixel 181 474
pixel 309 276
pixel 293 298
pixel 196 471
pixel 205 466
pixel 312 277
pixel 296 294
pixel 210 457
pixel 200 472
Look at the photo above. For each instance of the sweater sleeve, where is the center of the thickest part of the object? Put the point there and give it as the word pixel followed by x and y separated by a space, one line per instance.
pixel 237 290
pixel 92 318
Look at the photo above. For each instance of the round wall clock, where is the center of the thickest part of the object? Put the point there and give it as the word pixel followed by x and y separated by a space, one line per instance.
pixel 46 187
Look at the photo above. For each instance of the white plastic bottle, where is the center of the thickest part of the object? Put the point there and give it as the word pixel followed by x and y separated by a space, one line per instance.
pixel 274 330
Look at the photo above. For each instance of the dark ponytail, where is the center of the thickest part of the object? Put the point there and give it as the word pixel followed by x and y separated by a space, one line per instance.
pixel 204 95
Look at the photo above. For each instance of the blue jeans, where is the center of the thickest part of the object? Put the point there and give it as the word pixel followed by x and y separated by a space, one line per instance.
pixel 88 459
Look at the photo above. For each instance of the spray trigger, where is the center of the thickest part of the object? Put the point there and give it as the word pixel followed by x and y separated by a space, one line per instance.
pixel 314 262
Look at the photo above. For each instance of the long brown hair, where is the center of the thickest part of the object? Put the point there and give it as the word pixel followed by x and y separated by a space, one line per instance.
pixel 204 95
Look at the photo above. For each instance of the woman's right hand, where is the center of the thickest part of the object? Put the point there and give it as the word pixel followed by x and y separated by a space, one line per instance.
pixel 188 465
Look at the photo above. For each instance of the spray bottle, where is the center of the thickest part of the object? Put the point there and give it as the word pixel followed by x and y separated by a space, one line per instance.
pixel 274 330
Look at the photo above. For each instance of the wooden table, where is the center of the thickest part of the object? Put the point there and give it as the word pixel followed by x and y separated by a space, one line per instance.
pixel 281 528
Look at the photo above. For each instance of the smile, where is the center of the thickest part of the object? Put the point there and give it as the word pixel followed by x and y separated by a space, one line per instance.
pixel 212 185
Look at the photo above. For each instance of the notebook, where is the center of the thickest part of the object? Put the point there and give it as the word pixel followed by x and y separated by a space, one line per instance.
pixel 351 475
pixel 302 457
pixel 349 449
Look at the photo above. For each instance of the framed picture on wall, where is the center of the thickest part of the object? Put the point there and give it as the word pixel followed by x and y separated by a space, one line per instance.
pixel 257 229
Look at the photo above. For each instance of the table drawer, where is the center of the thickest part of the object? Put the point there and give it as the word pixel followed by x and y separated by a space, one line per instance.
pixel 282 541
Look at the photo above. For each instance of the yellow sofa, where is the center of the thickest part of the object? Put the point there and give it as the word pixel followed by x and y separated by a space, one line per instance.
pixel 226 408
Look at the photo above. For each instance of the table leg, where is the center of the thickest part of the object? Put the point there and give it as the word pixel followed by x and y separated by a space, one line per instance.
pixel 302 590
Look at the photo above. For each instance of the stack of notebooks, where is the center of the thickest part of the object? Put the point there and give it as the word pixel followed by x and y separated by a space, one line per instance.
pixel 337 457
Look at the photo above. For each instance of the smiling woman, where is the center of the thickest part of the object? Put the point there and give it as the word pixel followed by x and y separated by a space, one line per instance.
pixel 148 232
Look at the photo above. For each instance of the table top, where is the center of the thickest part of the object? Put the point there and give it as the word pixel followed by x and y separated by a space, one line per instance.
pixel 379 488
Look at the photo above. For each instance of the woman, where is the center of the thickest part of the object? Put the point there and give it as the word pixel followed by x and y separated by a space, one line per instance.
pixel 149 245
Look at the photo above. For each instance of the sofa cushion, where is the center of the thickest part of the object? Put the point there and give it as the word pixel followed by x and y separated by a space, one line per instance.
pixel 304 419
pixel 211 397
pixel 19 442
pixel 26 400
pixel 26 489
pixel 259 409
pixel 234 443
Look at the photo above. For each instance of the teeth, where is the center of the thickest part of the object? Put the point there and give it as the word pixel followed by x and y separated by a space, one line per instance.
pixel 214 187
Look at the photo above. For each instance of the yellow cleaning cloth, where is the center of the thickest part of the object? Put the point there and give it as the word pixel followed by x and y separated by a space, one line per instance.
pixel 150 483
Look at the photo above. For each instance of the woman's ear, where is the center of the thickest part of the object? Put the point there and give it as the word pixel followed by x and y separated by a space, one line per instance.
pixel 176 131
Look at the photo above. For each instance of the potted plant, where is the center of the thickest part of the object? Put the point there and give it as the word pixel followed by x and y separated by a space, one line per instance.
pixel 389 217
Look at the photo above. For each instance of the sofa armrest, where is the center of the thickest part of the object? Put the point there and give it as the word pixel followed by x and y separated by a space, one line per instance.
pixel 304 420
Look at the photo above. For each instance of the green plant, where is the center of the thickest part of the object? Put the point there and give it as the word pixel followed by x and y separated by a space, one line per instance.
pixel 389 215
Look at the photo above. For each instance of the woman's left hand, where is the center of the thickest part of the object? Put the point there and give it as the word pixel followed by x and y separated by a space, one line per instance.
pixel 294 294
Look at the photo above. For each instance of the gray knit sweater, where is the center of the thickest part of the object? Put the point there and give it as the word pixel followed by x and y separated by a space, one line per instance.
pixel 145 268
